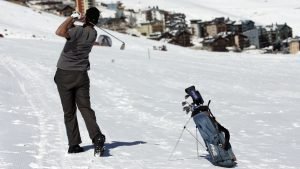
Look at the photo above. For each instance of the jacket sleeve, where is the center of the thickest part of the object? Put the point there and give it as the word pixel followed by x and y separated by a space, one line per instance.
pixel 73 33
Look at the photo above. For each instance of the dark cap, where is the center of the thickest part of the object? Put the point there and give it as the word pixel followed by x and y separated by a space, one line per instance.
pixel 92 15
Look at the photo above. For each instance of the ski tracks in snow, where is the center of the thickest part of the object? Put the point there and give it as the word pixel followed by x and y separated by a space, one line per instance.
pixel 42 103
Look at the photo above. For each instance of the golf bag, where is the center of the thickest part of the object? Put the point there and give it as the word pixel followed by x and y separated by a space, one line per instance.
pixel 215 136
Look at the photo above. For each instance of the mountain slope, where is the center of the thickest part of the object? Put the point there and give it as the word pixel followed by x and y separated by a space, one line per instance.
pixel 137 94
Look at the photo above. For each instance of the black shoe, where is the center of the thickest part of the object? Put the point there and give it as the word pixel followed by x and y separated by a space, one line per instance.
pixel 99 141
pixel 75 149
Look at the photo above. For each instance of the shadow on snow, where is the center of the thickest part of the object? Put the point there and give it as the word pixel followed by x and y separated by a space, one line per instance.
pixel 112 145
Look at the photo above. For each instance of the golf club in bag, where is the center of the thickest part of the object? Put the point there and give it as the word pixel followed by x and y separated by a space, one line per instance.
pixel 215 136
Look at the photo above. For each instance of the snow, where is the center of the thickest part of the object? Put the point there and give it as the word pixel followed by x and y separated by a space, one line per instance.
pixel 137 99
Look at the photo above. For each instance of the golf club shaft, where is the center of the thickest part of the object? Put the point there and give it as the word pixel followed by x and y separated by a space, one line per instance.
pixel 108 33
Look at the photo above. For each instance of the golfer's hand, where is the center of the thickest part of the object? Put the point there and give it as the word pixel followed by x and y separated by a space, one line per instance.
pixel 76 15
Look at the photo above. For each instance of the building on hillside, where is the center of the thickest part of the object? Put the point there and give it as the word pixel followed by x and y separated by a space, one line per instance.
pixel 233 26
pixel 131 18
pixel 218 44
pixel 176 21
pixel 151 27
pixel 291 45
pixel 247 25
pixel 211 28
pixel 257 37
pixel 294 47
pixel 148 21
pixel 177 30
pixel 222 40
pixel 154 14
pixel 276 33
pixel 236 40
pixel 182 38
pixel 196 28
pixel 241 41
pixel 215 26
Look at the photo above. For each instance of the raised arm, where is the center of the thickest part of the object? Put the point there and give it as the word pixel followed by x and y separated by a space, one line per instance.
pixel 62 30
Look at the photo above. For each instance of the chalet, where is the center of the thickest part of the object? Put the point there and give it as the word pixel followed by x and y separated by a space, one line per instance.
pixel 182 38
pixel 233 26
pixel 276 33
pixel 131 17
pixel 227 35
pixel 294 47
pixel 291 45
pixel 154 13
pixel 237 40
pixel 241 41
pixel 247 25
pixel 218 44
pixel 151 27
pixel 237 27
pixel 176 21
pixel 178 37
pixel 196 29
pixel 151 15
pixel 216 26
pixel 148 21
pixel 212 28
pixel 202 29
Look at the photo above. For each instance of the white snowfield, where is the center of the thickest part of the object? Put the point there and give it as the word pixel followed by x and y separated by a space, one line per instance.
pixel 137 99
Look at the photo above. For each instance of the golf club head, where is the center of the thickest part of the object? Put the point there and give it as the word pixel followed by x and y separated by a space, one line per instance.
pixel 187 109
pixel 184 103
pixel 187 96
pixel 122 46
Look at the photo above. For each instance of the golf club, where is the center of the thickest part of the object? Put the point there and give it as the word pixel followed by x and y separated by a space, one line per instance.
pixel 123 43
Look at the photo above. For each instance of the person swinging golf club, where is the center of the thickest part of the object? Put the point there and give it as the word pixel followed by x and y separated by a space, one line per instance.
pixel 72 79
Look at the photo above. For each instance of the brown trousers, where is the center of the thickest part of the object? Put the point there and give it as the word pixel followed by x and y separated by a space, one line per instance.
pixel 74 90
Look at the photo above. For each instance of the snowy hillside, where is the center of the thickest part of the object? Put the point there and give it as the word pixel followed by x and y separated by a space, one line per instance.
pixel 263 12
pixel 137 97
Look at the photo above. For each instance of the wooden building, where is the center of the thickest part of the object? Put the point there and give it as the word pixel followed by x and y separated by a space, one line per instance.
pixel 276 32
pixel 182 38
pixel 291 45
pixel 151 27
pixel 218 44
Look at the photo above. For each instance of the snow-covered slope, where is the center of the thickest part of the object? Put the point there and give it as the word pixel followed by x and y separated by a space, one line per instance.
pixel 20 22
pixel 263 12
pixel 137 94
